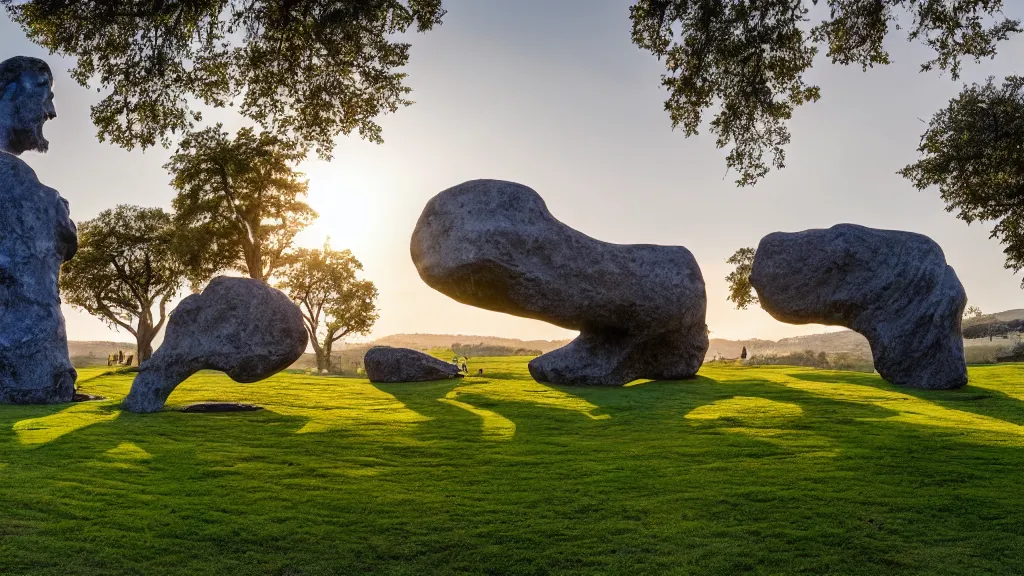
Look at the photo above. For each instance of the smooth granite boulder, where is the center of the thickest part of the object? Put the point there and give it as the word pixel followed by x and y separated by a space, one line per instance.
pixel 237 325
pixel 893 287
pixel 36 237
pixel 387 364
pixel 640 309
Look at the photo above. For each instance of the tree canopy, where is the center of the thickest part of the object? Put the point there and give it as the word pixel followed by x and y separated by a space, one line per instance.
pixel 240 201
pixel 307 69
pixel 335 304
pixel 972 152
pixel 125 267
pixel 741 293
pixel 747 59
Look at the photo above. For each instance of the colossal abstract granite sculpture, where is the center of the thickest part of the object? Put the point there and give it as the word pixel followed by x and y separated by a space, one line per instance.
pixel 639 308
pixel 893 287
pixel 237 325
pixel 386 364
pixel 36 236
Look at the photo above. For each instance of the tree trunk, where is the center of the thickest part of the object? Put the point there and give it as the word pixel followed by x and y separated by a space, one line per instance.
pixel 144 336
pixel 321 361
pixel 327 351
pixel 254 261
pixel 317 350
pixel 144 350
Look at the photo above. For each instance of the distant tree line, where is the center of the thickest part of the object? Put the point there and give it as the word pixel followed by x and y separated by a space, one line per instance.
pixel 481 350
pixel 993 329
pixel 812 359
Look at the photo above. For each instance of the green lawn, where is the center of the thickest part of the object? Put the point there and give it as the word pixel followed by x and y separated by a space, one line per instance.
pixel 740 471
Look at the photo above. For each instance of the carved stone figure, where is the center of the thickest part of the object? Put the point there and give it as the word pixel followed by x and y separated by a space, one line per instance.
pixel 387 364
pixel 893 287
pixel 36 236
pixel 640 309
pixel 237 325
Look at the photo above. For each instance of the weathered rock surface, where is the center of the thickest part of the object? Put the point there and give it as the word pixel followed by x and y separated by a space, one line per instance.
pixel 36 236
pixel 387 364
pixel 893 287
pixel 239 326
pixel 640 309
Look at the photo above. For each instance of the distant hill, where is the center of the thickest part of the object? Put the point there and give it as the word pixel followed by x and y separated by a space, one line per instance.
pixel 1005 316
pixel 844 341
pixel 348 356
pixel 1008 315
pixel 95 352
pixel 431 341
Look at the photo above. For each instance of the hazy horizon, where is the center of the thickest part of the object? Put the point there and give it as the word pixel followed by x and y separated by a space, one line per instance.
pixel 555 96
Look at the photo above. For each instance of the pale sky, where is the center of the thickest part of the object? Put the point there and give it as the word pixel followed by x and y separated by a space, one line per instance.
pixel 555 96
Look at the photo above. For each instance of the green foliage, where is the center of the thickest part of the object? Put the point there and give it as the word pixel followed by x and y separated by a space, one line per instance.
pixel 335 303
pixel 741 292
pixel 973 312
pixel 239 203
pixel 125 266
pixel 812 359
pixel 991 327
pixel 308 69
pixel 1017 350
pixel 747 58
pixel 972 152
pixel 738 471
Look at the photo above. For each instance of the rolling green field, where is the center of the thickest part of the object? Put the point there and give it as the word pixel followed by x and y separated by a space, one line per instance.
pixel 741 471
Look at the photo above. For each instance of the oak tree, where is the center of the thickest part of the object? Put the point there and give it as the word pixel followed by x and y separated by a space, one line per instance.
pixel 335 303
pixel 741 293
pixel 746 60
pixel 972 153
pixel 126 271
pixel 240 201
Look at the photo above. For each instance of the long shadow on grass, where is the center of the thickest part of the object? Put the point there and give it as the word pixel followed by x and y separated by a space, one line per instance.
pixel 10 416
pixel 490 401
pixel 499 405
pixel 646 491
pixel 982 401
pixel 930 418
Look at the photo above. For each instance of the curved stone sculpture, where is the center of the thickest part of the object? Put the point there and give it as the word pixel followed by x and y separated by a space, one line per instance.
pixel 893 287
pixel 36 236
pixel 387 364
pixel 640 309
pixel 239 326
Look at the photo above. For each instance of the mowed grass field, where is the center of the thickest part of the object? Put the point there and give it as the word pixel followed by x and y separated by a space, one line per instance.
pixel 739 471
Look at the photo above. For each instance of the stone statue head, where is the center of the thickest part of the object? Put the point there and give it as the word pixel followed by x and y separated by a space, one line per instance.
pixel 26 103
